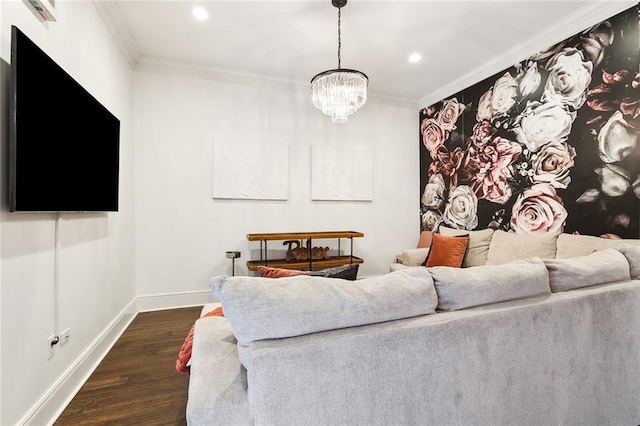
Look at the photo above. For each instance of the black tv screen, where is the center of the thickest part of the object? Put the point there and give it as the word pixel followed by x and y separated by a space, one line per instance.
pixel 64 145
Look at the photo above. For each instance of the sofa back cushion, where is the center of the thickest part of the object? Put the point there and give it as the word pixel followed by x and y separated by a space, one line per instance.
pixel 601 267
pixel 632 253
pixel 506 247
pixel 478 247
pixel 414 257
pixel 570 245
pixel 263 308
pixel 481 285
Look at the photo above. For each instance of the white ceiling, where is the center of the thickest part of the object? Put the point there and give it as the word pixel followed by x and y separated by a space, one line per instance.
pixel 461 42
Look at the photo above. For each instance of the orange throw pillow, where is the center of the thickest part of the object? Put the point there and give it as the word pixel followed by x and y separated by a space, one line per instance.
pixel 185 351
pixel 447 251
pixel 269 272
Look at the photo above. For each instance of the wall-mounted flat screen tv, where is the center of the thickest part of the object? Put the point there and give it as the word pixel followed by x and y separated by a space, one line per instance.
pixel 64 144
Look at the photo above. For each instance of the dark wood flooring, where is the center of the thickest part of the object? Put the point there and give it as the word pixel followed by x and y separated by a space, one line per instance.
pixel 136 383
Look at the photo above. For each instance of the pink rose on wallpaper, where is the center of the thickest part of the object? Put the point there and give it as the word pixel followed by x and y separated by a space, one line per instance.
pixel 553 163
pixel 569 78
pixel 616 139
pixel 619 90
pixel 461 212
pixel 541 123
pixel 505 91
pixel 630 104
pixel 433 135
pixel 488 169
pixel 482 134
pixel 432 197
pixel 538 209
pixel 448 115
pixel 446 163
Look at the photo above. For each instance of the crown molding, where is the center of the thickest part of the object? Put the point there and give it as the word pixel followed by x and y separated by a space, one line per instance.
pixel 112 16
pixel 206 72
pixel 572 24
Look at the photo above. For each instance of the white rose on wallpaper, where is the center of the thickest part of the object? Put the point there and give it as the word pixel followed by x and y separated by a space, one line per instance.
pixel 484 107
pixel 616 139
pixel 505 91
pixel 614 180
pixel 530 81
pixel 596 40
pixel 636 187
pixel 569 78
pixel 593 49
pixel 432 197
pixel 448 115
pixel 553 163
pixel 541 123
pixel 538 209
pixel 431 220
pixel 462 210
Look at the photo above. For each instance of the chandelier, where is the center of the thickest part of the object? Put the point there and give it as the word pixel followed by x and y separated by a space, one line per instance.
pixel 339 92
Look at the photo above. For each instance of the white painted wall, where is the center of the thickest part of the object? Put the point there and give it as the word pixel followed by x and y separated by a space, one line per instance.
pixel 97 255
pixel 182 233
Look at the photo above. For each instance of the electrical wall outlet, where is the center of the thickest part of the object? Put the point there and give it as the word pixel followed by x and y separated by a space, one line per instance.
pixel 52 341
pixel 65 336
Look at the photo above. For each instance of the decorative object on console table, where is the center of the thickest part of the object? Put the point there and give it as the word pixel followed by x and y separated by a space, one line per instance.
pixel 315 257
pixel 233 255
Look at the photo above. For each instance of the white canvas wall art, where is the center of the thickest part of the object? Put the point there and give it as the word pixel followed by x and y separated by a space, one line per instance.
pixel 248 169
pixel 341 173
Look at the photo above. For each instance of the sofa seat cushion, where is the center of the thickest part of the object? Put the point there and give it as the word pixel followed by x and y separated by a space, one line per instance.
pixel 506 247
pixel 570 245
pixel 601 267
pixel 263 308
pixel 478 247
pixel 481 285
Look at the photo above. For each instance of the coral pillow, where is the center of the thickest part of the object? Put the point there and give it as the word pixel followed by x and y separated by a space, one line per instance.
pixel 269 272
pixel 425 239
pixel 184 356
pixel 447 251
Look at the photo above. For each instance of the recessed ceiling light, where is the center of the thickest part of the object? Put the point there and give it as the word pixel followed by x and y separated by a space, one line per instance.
pixel 414 57
pixel 200 13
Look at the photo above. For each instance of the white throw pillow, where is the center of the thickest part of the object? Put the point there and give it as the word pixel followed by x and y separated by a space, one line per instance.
pixel 506 247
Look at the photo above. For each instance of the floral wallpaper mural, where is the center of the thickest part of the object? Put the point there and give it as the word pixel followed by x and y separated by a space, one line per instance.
pixel 550 144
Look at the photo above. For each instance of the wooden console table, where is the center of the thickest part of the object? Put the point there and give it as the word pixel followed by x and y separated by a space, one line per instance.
pixel 252 265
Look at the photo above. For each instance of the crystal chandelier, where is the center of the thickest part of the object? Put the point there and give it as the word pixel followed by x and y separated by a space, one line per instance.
pixel 339 92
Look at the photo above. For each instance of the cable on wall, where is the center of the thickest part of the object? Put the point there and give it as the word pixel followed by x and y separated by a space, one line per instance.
pixel 56 273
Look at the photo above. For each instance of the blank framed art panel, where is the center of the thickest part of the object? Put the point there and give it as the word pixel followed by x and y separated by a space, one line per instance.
pixel 247 169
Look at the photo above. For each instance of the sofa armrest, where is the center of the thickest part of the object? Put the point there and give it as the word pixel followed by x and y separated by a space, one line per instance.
pixel 414 257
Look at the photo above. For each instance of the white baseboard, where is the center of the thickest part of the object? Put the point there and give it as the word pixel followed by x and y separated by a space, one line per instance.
pixel 156 302
pixel 53 403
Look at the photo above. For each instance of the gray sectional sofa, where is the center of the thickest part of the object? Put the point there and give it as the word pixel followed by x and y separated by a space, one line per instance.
pixel 518 340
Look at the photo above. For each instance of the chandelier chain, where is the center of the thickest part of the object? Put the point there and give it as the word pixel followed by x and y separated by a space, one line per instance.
pixel 339 38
